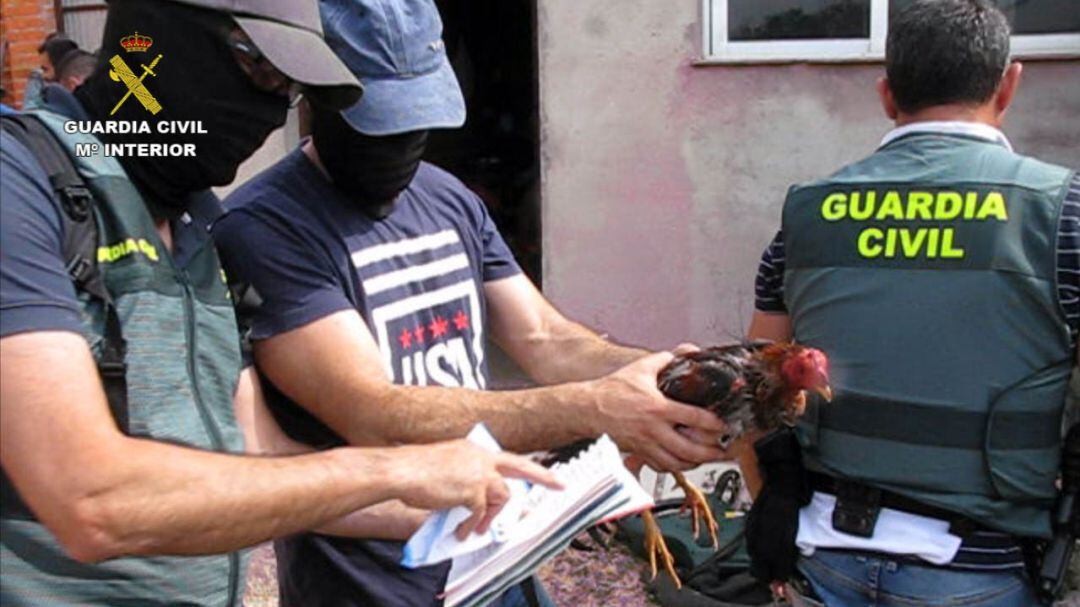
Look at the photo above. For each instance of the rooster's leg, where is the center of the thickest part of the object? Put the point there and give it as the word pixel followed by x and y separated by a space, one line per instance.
pixel 698 505
pixel 654 545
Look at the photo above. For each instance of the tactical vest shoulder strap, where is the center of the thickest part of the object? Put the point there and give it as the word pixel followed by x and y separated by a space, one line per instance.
pixel 205 208
pixel 79 249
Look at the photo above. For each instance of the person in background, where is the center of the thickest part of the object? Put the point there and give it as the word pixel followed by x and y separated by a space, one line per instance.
pixel 123 480
pixel 381 277
pixel 941 276
pixel 56 96
pixel 51 53
pixel 74 68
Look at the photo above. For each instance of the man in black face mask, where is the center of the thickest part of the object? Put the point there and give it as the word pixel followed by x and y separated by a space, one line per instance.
pixel 213 76
pixel 120 355
pixel 381 276
pixel 370 170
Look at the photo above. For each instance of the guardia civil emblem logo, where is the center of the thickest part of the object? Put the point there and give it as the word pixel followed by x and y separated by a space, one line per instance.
pixel 120 72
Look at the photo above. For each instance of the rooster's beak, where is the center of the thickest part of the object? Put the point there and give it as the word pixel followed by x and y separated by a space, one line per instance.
pixel 825 392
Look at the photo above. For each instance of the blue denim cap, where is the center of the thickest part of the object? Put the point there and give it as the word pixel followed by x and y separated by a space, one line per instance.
pixel 395 49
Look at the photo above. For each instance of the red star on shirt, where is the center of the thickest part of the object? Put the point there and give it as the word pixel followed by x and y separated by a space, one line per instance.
pixel 405 338
pixel 461 320
pixel 438 327
pixel 418 333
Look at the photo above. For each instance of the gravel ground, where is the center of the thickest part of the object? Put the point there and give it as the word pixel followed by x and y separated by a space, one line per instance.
pixel 574 579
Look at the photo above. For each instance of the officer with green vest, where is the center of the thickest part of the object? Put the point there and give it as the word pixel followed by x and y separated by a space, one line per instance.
pixel 120 372
pixel 940 274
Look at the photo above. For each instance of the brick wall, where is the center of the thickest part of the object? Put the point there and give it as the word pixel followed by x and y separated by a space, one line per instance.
pixel 23 26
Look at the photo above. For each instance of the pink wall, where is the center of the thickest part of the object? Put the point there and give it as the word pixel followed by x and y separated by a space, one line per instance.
pixel 662 181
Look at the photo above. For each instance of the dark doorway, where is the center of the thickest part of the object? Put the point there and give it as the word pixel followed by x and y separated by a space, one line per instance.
pixel 492 45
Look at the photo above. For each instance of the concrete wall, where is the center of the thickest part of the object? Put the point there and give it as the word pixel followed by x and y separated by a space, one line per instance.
pixel 663 182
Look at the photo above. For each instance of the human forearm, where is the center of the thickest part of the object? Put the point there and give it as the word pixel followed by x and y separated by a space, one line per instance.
pixel 571 352
pixel 626 405
pixel 332 367
pixel 390 520
pixel 154 498
pixel 547 345
pixel 773 326
pixel 104 494
pixel 522 420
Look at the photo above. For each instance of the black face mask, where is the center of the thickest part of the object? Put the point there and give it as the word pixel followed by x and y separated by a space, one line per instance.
pixel 197 79
pixel 371 171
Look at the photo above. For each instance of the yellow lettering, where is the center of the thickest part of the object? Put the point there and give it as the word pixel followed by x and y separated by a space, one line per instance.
pixel 919 204
pixel 866 210
pixel 912 243
pixel 148 249
pixel 947 249
pixel 834 207
pixel 993 206
pixel 868 249
pixel 970 199
pixel 127 247
pixel 891 208
pixel 949 205
pixel 932 246
pixel 890 243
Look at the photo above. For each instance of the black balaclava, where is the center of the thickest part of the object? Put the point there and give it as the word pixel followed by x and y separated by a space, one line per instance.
pixel 371 171
pixel 198 78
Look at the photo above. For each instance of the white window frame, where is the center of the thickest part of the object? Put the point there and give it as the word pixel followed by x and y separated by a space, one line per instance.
pixel 717 49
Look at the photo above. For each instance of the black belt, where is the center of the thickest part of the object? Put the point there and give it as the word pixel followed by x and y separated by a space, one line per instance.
pixel 858 506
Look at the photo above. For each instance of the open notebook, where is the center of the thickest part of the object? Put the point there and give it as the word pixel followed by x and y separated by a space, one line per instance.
pixel 535 525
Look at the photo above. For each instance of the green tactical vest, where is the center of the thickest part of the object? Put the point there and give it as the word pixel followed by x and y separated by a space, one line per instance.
pixel 183 362
pixel 927 273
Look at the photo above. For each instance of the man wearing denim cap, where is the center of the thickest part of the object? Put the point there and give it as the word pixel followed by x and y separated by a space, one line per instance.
pixel 121 363
pixel 380 278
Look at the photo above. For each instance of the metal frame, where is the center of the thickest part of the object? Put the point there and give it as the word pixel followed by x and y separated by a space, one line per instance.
pixel 716 49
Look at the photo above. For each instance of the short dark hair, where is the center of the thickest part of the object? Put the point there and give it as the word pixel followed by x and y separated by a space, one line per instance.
pixel 945 51
pixel 78 63
pixel 57 46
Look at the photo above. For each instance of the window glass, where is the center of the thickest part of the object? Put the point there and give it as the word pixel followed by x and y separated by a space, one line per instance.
pixel 1031 16
pixel 798 19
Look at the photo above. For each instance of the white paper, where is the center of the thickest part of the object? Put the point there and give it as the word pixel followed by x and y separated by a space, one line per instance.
pixel 597 487
pixel 435 542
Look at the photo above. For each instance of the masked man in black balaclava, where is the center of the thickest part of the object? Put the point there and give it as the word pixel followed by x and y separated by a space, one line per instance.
pixel 372 171
pixel 211 72
pixel 121 357
pixel 380 275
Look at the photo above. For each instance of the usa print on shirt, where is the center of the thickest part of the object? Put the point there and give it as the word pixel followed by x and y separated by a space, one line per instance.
pixel 424 310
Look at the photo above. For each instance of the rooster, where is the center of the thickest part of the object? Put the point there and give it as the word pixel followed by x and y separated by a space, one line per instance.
pixel 757 387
